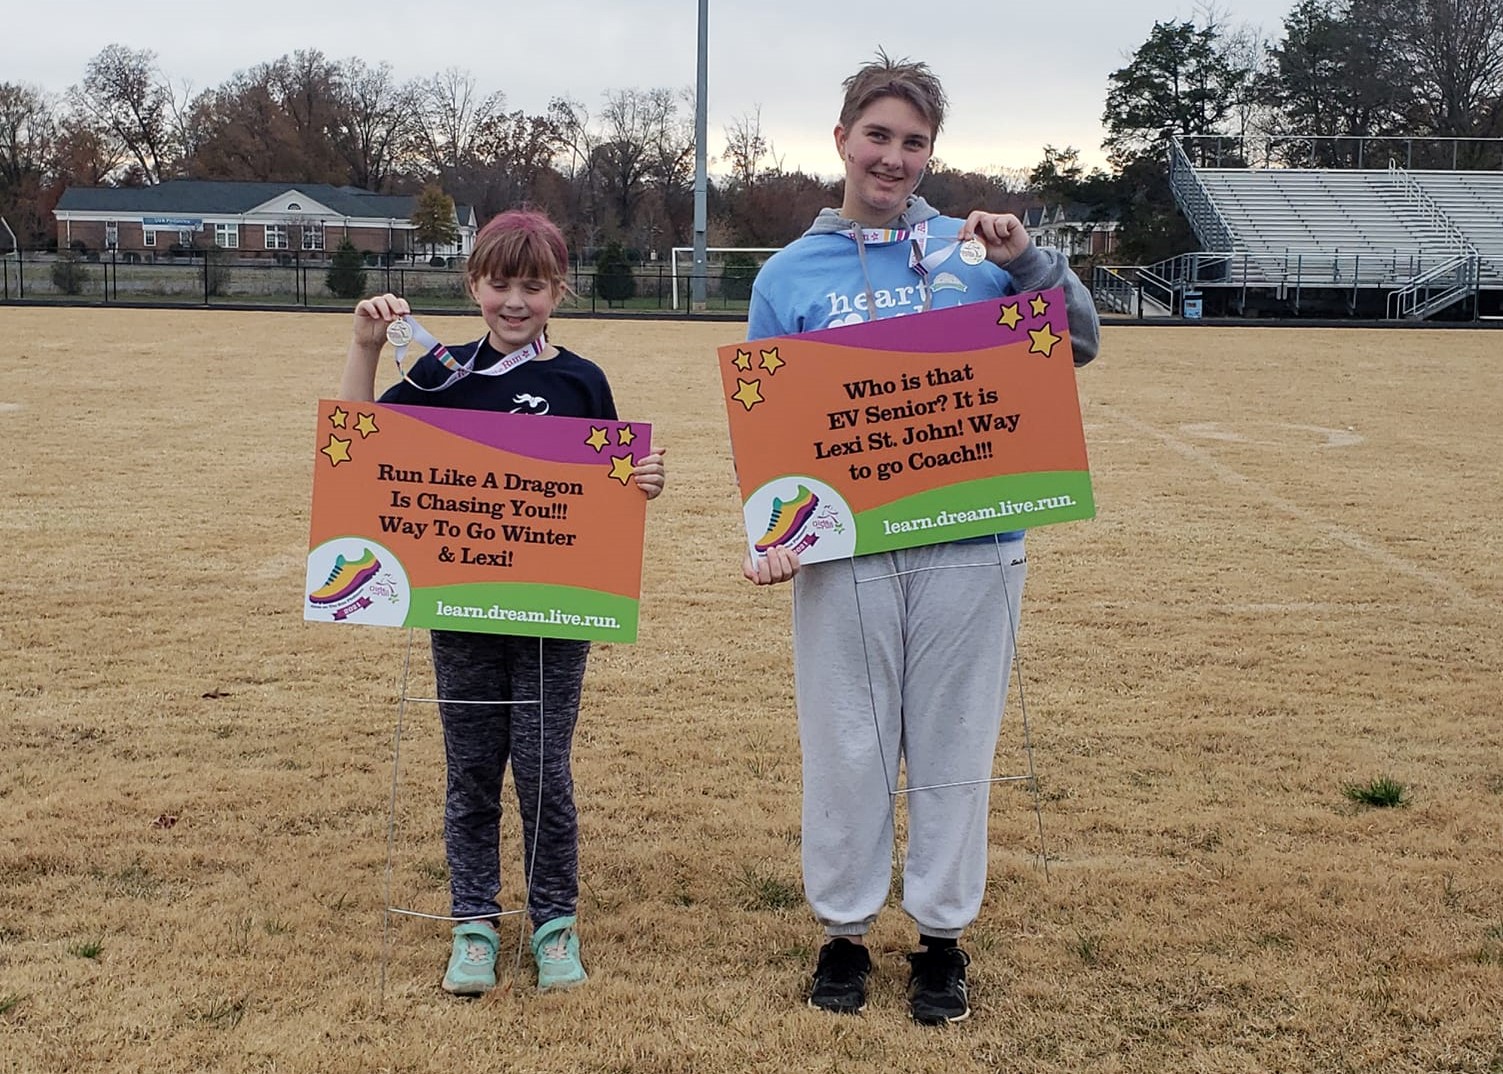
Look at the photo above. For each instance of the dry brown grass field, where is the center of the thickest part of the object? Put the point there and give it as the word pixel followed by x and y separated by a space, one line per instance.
pixel 1294 585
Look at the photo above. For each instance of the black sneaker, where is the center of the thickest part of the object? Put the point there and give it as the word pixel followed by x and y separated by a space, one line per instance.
pixel 840 977
pixel 936 986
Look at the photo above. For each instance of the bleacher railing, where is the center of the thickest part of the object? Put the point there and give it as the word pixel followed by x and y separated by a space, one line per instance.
pixel 1114 292
pixel 1429 210
pixel 1196 201
pixel 1437 288
pixel 1133 290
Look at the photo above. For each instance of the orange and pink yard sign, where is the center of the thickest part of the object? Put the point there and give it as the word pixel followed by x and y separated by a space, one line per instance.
pixel 476 521
pixel 913 430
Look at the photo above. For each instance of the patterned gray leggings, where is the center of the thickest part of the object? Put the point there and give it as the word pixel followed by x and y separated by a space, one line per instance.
pixel 478 742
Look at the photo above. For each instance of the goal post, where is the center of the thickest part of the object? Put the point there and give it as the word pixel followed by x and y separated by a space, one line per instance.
pixel 710 255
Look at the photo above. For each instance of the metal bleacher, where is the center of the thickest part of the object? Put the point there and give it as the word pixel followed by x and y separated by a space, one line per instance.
pixel 1382 242
pixel 1341 225
pixel 1473 201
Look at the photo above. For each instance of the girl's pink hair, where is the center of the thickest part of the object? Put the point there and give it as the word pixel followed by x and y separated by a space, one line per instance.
pixel 519 243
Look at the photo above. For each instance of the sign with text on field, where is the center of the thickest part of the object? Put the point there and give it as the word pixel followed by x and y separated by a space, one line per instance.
pixel 913 430
pixel 476 521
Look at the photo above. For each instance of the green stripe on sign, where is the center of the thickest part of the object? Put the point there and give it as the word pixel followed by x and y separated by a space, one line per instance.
pixel 525 608
pixel 977 509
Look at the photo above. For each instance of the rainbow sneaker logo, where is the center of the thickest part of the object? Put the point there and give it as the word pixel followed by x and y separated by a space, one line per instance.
pixel 788 518
pixel 346 578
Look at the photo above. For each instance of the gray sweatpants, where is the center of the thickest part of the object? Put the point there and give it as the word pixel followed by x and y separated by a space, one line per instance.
pixel 478 742
pixel 919 671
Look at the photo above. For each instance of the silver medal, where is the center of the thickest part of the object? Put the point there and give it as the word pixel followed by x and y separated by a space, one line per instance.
pixel 973 251
pixel 399 333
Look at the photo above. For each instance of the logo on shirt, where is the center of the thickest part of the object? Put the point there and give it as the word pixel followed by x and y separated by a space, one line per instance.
pixel 529 404
pixel 890 302
pixel 947 281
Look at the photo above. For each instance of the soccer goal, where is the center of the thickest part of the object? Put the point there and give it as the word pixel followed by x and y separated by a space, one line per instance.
pixel 711 259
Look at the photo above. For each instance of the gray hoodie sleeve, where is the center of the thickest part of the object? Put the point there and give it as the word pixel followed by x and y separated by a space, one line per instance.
pixel 1037 269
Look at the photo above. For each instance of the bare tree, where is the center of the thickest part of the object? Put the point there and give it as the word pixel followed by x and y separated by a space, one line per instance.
pixel 27 130
pixel 746 147
pixel 1458 61
pixel 373 119
pixel 125 94
pixel 453 117
pixel 645 145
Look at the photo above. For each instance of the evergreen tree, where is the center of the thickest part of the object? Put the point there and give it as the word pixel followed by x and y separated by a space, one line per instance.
pixel 216 269
pixel 738 273
pixel 69 274
pixel 614 280
pixel 346 275
pixel 1180 82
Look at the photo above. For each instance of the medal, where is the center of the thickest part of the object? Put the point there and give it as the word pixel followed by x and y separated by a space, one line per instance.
pixel 405 330
pixel 973 251
pixel 399 332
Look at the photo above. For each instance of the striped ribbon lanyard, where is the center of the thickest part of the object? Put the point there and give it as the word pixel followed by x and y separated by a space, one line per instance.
pixel 920 260
pixel 405 331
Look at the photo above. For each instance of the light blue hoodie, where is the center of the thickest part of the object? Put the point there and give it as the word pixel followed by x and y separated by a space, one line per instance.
pixel 818 280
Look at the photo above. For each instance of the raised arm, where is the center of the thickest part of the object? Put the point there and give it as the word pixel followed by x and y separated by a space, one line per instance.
pixel 367 337
pixel 1009 246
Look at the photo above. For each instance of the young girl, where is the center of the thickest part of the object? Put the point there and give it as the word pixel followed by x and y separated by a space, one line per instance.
pixel 516 275
pixel 903 654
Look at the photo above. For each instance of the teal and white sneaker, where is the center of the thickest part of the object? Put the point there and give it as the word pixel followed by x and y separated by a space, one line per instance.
pixel 472 966
pixel 555 945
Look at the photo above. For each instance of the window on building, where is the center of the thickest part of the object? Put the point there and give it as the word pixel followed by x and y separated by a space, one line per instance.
pixel 185 238
pixel 313 236
pixel 276 236
pixel 111 234
pixel 227 236
pixel 148 237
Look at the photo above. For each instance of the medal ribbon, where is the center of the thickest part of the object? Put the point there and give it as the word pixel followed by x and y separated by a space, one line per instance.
pixel 457 371
pixel 919 261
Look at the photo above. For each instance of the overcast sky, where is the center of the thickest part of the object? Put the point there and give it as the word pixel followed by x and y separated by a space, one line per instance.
pixel 1019 76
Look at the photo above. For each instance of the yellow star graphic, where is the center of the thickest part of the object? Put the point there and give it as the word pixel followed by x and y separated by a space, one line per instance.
pixel 748 392
pixel 1044 340
pixel 621 467
pixel 338 450
pixel 1038 305
pixel 336 419
pixel 742 361
pixel 771 362
pixel 624 435
pixel 1010 316
pixel 365 425
pixel 598 438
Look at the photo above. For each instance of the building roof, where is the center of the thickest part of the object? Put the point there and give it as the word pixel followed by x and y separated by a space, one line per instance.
pixel 186 196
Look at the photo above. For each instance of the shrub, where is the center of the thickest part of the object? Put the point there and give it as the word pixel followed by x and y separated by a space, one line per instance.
pixel 346 275
pixel 69 275
pixel 216 270
pixel 614 280
pixel 737 276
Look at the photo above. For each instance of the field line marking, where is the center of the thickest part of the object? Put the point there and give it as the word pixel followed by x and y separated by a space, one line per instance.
pixel 1341 535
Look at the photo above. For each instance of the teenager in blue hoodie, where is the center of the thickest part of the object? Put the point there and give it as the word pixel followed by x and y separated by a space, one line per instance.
pixel 916 667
